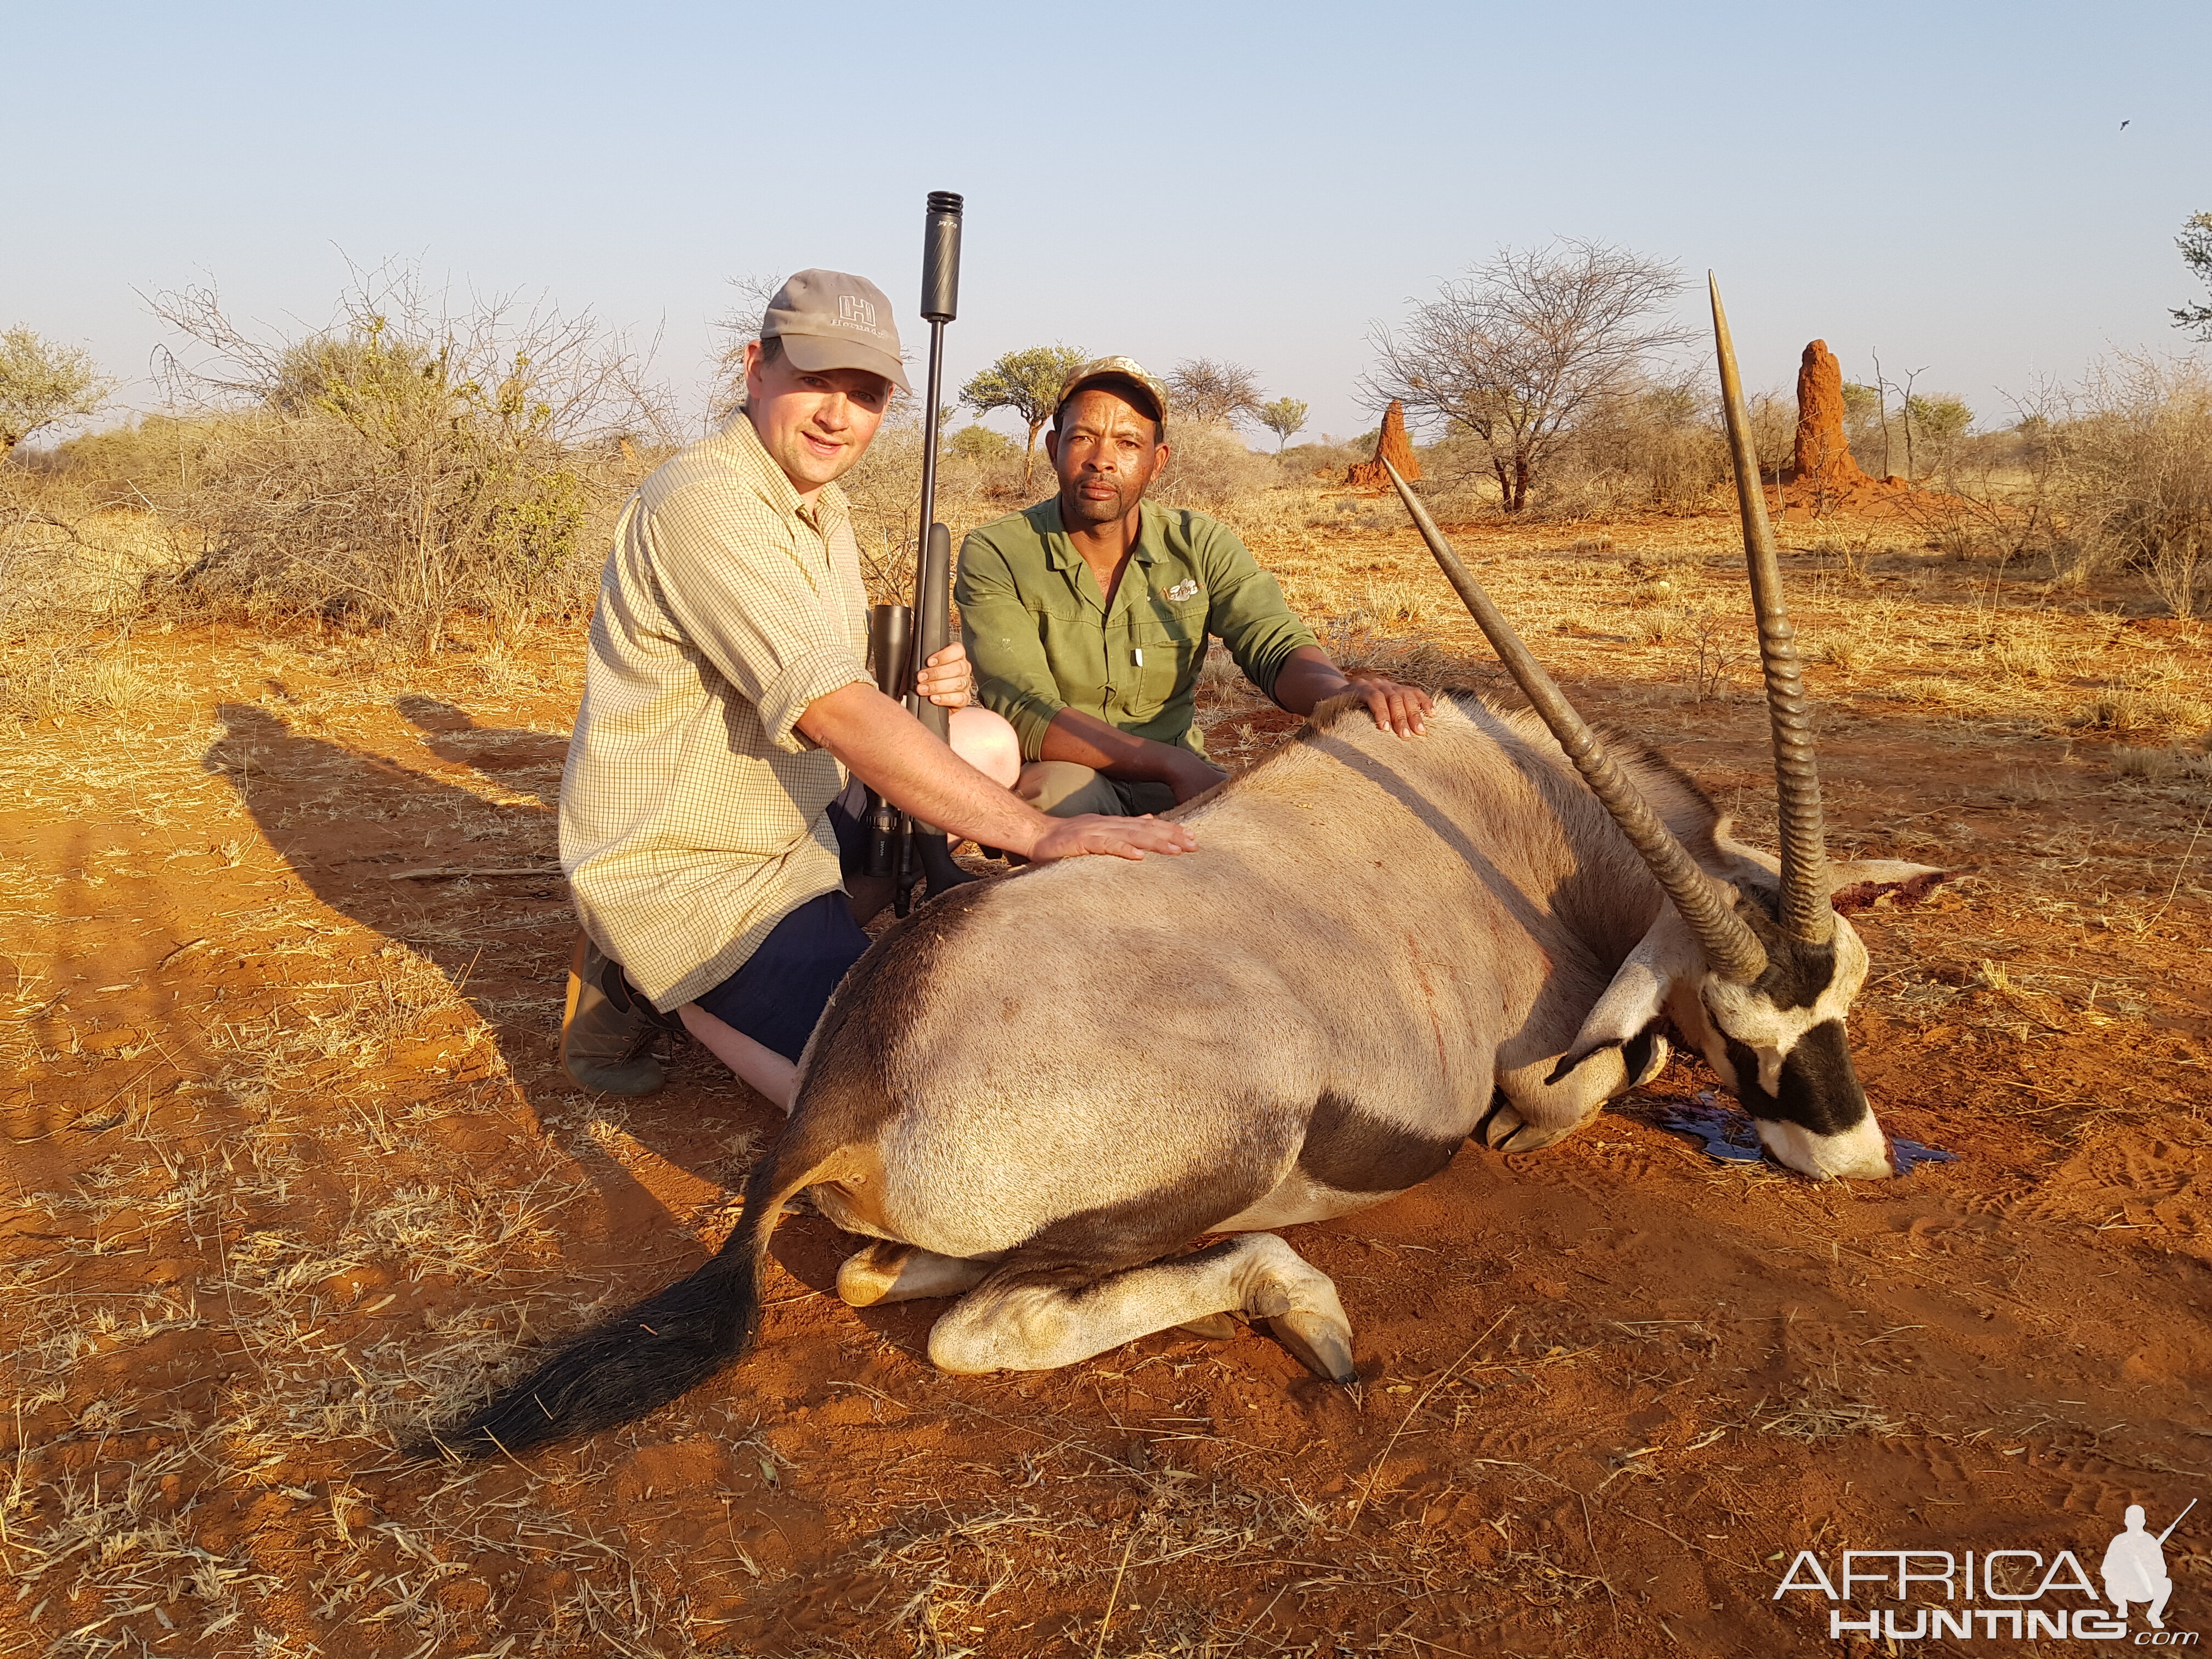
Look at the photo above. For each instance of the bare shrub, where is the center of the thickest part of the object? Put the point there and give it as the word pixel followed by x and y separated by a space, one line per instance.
pixel 1210 469
pixel 1705 671
pixel 1304 463
pixel 1458 484
pixel 1773 435
pixel 73 568
pixel 2180 574
pixel 2003 491
pixel 976 482
pixel 884 489
pixel 1648 445
pixel 2135 473
pixel 411 460
pixel 121 465
pixel 738 327
pixel 1866 425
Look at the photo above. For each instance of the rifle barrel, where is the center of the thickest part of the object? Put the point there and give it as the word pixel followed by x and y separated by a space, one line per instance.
pixel 940 303
pixel 933 552
pixel 2177 1520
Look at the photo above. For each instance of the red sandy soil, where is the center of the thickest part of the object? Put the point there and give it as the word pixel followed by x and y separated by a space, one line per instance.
pixel 1875 501
pixel 1607 1390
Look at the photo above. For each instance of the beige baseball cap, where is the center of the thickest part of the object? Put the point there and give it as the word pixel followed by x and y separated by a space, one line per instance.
pixel 1118 375
pixel 834 320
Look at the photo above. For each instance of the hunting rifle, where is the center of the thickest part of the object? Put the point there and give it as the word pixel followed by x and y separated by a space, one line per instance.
pixel 900 638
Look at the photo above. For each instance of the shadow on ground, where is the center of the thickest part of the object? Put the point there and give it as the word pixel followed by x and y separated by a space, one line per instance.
pixel 474 884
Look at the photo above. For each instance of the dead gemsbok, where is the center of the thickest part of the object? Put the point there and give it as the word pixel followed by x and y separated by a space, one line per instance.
pixel 1035 1093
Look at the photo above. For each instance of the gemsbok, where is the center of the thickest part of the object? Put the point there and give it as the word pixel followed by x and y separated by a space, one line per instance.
pixel 1037 1093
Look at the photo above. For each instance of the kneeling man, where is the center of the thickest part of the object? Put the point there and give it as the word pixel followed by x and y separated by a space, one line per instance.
pixel 1087 616
pixel 711 827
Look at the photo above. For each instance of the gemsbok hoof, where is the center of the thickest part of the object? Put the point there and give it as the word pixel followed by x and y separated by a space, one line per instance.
pixel 1505 1130
pixel 1322 1346
pixel 1303 1312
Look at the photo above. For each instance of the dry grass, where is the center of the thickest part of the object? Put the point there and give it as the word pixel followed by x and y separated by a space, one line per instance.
pixel 2160 765
pixel 306 1181
pixel 1817 1419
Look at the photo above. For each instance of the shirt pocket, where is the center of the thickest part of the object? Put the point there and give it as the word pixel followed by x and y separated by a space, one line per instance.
pixel 1171 634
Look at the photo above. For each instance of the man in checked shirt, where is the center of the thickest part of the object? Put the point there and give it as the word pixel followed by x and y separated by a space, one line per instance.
pixel 711 827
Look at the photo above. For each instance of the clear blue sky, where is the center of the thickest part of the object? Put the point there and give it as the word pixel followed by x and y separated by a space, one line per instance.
pixel 1948 183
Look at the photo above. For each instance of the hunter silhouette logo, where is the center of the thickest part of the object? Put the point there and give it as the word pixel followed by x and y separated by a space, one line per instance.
pixel 2134 1567
pixel 2014 1593
pixel 854 312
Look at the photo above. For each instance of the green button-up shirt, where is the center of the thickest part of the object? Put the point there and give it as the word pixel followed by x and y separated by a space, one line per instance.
pixel 1042 638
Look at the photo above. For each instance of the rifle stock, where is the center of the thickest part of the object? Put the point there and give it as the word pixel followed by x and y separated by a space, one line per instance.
pixel 890 642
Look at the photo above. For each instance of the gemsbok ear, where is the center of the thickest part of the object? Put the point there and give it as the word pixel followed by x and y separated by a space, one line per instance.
pixel 1633 1003
pixel 1853 884
pixel 1861 883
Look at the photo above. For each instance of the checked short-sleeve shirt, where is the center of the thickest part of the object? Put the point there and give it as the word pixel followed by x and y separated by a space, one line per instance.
pixel 692 807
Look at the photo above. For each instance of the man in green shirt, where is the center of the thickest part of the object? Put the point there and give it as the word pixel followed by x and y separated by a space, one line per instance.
pixel 1086 616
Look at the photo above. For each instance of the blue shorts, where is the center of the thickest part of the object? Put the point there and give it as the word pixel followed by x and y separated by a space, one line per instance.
pixel 778 993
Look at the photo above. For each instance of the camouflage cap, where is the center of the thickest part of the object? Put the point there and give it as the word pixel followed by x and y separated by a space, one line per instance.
pixel 832 319
pixel 1123 374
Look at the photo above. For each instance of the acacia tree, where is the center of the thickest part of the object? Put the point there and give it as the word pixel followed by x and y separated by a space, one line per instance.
pixel 43 383
pixel 1938 420
pixel 1519 350
pixel 1285 417
pixel 1029 383
pixel 1213 393
pixel 2196 245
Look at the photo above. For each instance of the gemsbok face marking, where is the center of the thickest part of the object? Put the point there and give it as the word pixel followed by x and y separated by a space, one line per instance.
pixel 1780 1048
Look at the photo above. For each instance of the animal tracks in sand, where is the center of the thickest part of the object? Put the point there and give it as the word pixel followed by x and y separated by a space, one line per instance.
pixel 2128 1180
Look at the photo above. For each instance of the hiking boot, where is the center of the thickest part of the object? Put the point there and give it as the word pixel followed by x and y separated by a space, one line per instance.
pixel 606 1028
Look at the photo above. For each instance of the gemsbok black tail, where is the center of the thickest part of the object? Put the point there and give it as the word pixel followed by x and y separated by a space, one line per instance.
pixel 642 1358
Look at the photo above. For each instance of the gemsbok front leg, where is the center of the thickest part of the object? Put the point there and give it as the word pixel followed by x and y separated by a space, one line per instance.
pixel 1531 1110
